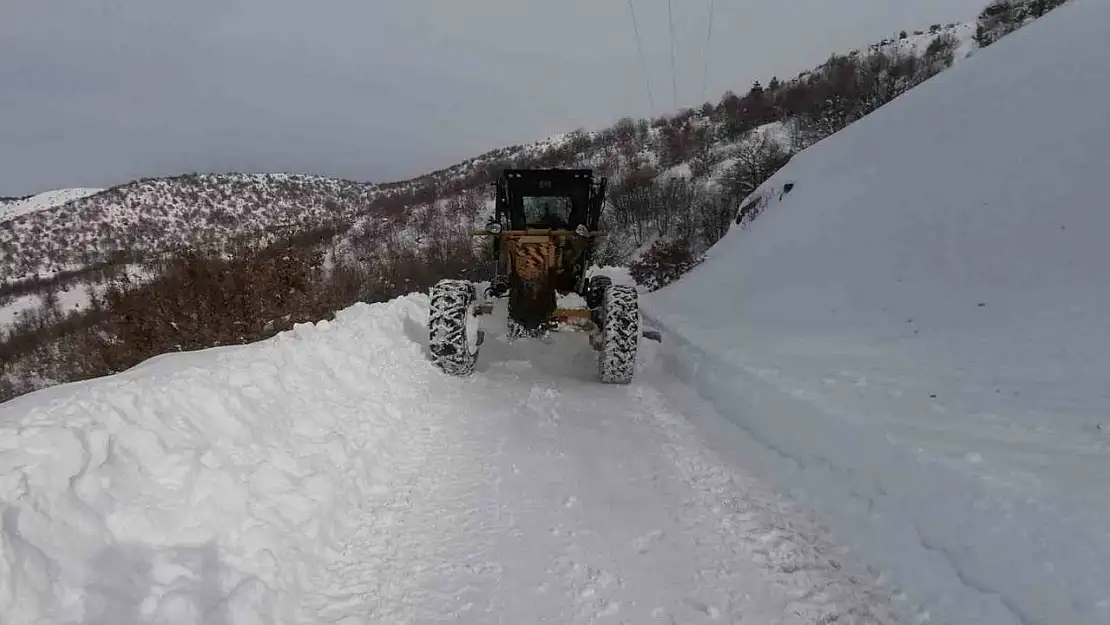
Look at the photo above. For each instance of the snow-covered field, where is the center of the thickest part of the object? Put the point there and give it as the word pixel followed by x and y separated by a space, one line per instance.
pixel 42 202
pixel 72 298
pixel 16 308
pixel 916 334
pixel 332 475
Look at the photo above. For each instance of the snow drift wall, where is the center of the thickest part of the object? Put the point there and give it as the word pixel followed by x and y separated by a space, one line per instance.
pixel 914 339
pixel 224 485
pixel 951 543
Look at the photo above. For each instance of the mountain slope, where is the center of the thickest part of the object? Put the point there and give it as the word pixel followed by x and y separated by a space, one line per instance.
pixel 43 201
pixel 332 475
pixel 156 215
pixel 916 324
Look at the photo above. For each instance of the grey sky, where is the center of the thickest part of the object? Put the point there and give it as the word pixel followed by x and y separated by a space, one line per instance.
pixel 98 92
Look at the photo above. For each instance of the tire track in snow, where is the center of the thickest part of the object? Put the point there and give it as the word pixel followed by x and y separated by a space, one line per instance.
pixel 603 505
pixel 751 521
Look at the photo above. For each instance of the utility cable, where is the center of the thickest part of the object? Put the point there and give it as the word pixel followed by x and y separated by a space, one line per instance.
pixel 708 44
pixel 674 76
pixel 640 51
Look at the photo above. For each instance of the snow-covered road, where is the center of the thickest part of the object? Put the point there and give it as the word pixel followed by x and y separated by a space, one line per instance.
pixel 331 475
pixel 603 504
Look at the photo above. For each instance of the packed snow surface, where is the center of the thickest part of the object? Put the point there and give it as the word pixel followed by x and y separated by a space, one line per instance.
pixel 916 331
pixel 332 475
pixel 42 201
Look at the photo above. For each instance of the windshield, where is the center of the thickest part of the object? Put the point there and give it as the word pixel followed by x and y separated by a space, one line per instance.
pixel 553 212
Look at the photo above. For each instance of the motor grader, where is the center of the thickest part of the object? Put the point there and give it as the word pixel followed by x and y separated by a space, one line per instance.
pixel 543 237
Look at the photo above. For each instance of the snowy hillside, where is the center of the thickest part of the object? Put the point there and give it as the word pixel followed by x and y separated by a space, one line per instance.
pixel 158 214
pixel 332 475
pixel 915 333
pixel 207 210
pixel 918 42
pixel 42 201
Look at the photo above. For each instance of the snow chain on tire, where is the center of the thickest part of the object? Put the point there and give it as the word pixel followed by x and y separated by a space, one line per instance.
pixel 452 327
pixel 595 290
pixel 620 334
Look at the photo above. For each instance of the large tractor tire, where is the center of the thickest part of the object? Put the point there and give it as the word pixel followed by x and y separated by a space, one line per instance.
pixel 620 335
pixel 453 327
pixel 595 290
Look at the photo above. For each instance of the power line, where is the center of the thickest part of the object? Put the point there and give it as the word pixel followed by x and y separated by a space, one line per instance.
pixel 674 79
pixel 643 62
pixel 708 43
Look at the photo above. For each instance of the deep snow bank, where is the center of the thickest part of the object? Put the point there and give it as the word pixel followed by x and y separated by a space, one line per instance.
pixel 916 333
pixel 224 485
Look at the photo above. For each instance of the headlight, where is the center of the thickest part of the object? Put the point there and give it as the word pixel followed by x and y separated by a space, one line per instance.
pixel 494 228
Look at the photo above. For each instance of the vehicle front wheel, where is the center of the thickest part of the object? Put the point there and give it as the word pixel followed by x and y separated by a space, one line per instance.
pixel 453 335
pixel 620 334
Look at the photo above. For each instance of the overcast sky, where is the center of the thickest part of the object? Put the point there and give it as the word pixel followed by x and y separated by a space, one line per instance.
pixel 99 92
